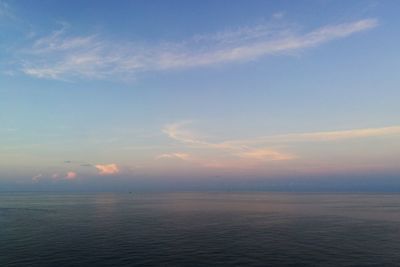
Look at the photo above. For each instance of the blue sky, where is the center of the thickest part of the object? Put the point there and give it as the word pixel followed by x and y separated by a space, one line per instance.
pixel 199 94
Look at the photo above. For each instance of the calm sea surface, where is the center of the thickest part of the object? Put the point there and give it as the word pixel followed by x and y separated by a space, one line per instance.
pixel 199 229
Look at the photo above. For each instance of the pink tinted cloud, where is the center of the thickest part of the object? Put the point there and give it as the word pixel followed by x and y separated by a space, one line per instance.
pixel 71 176
pixel 178 155
pixel 107 169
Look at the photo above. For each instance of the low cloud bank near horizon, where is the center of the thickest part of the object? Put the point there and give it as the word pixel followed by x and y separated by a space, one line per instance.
pixel 107 169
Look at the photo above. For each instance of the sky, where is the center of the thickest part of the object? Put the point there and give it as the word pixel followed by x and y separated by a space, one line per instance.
pixel 199 95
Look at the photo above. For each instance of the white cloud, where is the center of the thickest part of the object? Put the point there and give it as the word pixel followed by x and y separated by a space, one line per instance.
pixel 60 56
pixel 107 169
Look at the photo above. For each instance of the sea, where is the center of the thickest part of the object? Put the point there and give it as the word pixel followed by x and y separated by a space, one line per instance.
pixel 199 229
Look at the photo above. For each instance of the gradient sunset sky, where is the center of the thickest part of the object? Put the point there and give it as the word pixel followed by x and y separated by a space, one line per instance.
pixel 125 95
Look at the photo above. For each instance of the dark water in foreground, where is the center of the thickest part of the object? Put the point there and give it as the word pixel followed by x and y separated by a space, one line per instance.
pixel 199 229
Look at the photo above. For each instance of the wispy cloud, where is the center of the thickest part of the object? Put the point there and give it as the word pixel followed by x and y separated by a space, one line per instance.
pixel 62 56
pixel 107 169
pixel 37 177
pixel 264 148
pixel 319 136
pixel 262 154
pixel 5 10
pixel 176 155
pixel 178 132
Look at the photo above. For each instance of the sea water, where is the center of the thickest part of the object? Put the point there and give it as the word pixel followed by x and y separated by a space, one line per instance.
pixel 199 229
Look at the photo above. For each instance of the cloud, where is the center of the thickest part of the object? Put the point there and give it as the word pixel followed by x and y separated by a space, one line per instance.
pixel 177 155
pixel 327 136
pixel 177 132
pixel 86 165
pixel 342 135
pixel 78 163
pixel 107 169
pixel 5 10
pixel 264 148
pixel 61 56
pixel 71 175
pixel 278 15
pixel 265 154
pixel 37 177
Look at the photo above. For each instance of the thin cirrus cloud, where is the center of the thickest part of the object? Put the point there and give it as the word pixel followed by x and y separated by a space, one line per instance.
pixel 176 155
pixel 262 154
pixel 61 56
pixel 107 169
pixel 5 10
pixel 320 136
pixel 264 148
pixel 178 132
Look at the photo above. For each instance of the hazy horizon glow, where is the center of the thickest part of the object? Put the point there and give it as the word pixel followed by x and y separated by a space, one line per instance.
pixel 199 95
